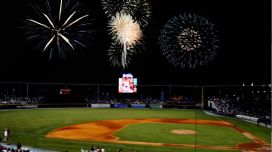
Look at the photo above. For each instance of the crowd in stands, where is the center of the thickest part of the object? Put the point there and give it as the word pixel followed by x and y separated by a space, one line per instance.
pixel 224 105
pixel 105 98
pixel 17 148
pixel 255 104
pixel 94 149
pixel 5 99
pixel 140 100
pixel 102 149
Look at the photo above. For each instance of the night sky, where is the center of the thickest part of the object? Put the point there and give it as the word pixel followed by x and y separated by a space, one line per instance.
pixel 243 57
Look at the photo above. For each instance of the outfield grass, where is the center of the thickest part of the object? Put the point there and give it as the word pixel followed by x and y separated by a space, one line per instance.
pixel 30 126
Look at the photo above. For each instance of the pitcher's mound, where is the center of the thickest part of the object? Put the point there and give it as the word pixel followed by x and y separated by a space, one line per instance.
pixel 183 132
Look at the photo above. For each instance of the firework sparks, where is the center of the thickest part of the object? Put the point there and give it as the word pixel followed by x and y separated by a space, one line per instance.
pixel 140 10
pixel 58 31
pixel 188 41
pixel 117 55
pixel 126 31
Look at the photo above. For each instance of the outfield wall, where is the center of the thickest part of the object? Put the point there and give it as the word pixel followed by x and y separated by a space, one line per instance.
pixel 100 105
pixel 64 105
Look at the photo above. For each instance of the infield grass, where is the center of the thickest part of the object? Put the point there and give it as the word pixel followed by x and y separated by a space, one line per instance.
pixel 161 133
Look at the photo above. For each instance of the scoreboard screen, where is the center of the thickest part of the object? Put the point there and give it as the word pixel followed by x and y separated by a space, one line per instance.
pixel 127 84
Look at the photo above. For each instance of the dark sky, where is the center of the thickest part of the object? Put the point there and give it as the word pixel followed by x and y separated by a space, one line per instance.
pixel 243 57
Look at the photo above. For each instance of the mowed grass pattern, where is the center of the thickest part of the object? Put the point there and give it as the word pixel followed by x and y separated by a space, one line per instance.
pixel 30 126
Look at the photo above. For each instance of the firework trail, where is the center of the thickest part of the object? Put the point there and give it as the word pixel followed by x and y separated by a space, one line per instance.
pixel 127 19
pixel 140 10
pixel 59 27
pixel 188 41
pixel 125 31
pixel 117 57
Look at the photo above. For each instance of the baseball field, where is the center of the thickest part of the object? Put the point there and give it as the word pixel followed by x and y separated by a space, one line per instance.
pixel 149 130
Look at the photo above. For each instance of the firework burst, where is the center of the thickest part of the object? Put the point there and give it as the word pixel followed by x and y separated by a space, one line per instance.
pixel 59 27
pixel 127 19
pixel 140 10
pixel 125 31
pixel 188 41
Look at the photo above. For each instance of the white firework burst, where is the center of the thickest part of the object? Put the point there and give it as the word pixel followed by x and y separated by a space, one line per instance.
pixel 58 29
pixel 125 31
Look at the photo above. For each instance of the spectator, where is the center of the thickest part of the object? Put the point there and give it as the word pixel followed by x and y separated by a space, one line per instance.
pixel 6 134
pixel 19 146
pixel 92 149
